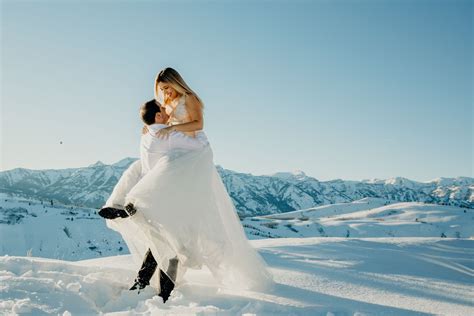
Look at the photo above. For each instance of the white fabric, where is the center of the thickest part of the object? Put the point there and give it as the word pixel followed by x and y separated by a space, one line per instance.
pixel 184 210
pixel 153 148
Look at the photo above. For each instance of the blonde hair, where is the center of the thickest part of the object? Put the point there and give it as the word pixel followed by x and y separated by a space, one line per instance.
pixel 172 77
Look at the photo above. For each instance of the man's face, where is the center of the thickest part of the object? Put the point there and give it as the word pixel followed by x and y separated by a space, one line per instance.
pixel 161 117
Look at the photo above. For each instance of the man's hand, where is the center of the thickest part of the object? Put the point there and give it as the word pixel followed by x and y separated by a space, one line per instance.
pixel 144 129
pixel 164 132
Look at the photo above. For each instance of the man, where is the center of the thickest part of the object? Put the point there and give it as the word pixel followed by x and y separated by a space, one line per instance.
pixel 152 149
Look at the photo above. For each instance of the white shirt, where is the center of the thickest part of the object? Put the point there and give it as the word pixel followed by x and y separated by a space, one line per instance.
pixel 152 148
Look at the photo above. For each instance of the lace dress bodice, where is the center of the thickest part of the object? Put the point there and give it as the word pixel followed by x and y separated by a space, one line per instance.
pixel 178 114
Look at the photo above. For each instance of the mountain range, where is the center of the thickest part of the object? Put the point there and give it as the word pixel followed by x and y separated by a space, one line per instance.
pixel 253 195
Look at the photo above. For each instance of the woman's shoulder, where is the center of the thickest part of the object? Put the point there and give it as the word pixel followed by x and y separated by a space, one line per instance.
pixel 192 101
pixel 189 97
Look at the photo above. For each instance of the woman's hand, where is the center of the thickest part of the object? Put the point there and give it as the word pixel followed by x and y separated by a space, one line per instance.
pixel 164 132
pixel 144 129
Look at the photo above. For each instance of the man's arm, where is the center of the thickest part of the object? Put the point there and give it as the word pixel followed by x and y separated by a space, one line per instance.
pixel 180 140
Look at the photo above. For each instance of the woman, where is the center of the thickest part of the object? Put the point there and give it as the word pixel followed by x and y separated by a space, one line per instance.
pixel 181 103
pixel 183 208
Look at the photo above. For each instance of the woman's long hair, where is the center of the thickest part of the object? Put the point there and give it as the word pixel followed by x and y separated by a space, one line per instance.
pixel 172 77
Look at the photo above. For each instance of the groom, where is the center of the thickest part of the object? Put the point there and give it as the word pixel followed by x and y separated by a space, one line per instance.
pixel 152 149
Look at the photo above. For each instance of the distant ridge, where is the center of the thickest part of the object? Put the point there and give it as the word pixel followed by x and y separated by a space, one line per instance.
pixel 252 195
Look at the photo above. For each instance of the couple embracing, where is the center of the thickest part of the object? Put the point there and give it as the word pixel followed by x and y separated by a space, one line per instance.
pixel 171 206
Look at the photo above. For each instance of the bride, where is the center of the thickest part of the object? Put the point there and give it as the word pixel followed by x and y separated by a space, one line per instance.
pixel 183 212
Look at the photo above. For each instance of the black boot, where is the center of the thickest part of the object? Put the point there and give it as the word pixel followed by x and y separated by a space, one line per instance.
pixel 112 213
pixel 146 272
pixel 167 280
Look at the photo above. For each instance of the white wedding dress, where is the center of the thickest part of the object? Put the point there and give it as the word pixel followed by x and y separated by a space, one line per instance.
pixel 184 211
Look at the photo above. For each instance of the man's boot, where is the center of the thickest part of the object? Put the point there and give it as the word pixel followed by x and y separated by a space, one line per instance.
pixel 168 279
pixel 146 272
pixel 113 212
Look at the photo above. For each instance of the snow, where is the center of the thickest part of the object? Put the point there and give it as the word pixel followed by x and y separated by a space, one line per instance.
pixel 76 233
pixel 315 276
pixel 392 262
pixel 368 217
pixel 252 195
pixel 97 164
pixel 452 181
pixel 54 231
pixel 297 175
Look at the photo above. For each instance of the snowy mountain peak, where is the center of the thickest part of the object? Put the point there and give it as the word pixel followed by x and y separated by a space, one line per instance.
pixel 442 181
pixel 296 174
pixel 396 181
pixel 399 181
pixel 97 164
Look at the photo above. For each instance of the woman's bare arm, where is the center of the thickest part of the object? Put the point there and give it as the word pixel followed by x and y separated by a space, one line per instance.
pixel 194 109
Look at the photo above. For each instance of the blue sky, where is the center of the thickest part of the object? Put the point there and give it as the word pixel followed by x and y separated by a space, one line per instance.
pixel 338 89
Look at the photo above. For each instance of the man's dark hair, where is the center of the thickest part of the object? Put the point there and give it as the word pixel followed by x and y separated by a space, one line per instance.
pixel 148 111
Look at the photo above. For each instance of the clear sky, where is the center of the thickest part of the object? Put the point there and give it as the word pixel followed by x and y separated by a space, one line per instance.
pixel 339 89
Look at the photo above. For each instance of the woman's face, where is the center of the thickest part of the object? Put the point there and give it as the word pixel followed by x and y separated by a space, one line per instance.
pixel 168 91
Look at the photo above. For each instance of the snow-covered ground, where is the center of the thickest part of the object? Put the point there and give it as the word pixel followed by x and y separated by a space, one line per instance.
pixel 367 257
pixel 368 217
pixel 28 226
pixel 315 276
